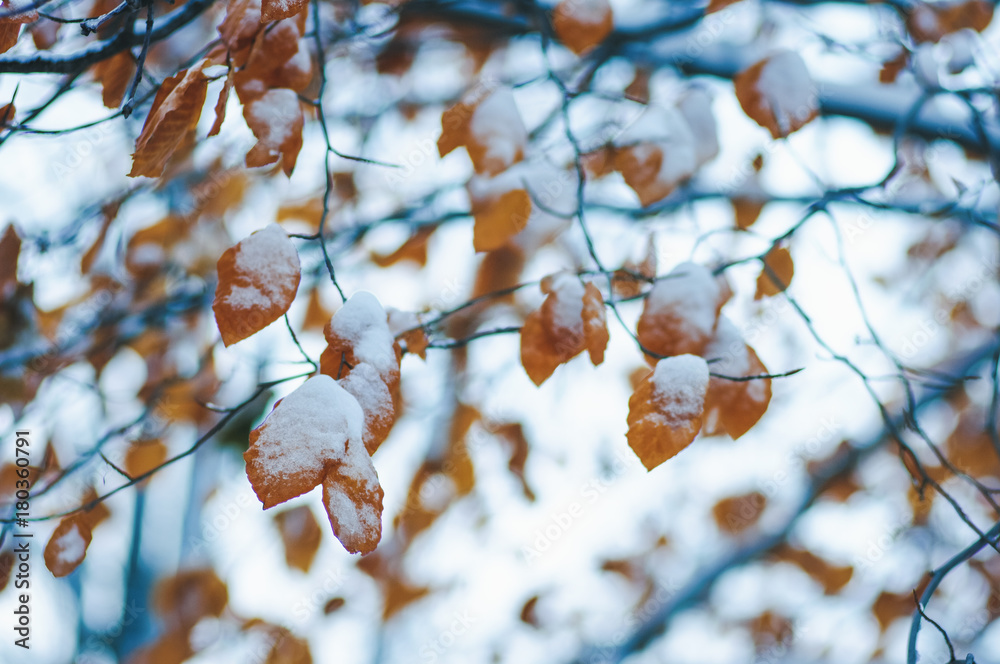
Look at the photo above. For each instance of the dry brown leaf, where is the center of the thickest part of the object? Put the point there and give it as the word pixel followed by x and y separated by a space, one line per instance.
pixel 718 5
pixel 174 113
pixel 144 456
pixel 665 413
pixel 890 606
pixel 188 596
pixel 831 577
pixel 777 274
pixel 258 279
pixel 416 341
pixel 746 210
pixel 115 74
pixel 288 649
pixel 68 545
pixel 500 218
pixel 10 27
pixel 413 249
pixel 314 436
pixel 513 434
pixel 928 22
pixel 10 248
pixel 220 104
pixel 571 319
pixel 735 514
pixel 582 24
pixel 641 166
pixel 777 93
pixel 6 566
pixel 301 536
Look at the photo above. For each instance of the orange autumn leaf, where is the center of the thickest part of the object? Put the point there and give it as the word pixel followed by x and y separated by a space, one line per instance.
pixel 187 597
pixel 413 249
pixel 734 406
pixel 778 93
pixel 68 545
pixel 115 74
pixel 144 456
pixel 718 5
pixel 665 413
pixel 6 566
pixel 489 126
pixel 498 219
pixel 582 24
pixel 680 312
pixel 10 26
pixel 571 319
pixel 416 341
pixel 175 112
pixel 363 356
pixel 10 248
pixel 314 436
pixel 831 577
pixel 301 536
pixel 288 649
pixel 275 10
pixel 776 274
pixel 220 104
pixel 258 279
pixel 928 22
pixel 276 120
pixel 735 514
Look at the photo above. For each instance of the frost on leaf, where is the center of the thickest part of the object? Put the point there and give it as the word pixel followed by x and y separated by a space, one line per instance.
pixel 314 436
pixel 490 128
pixel 173 115
pixel 665 412
pixel 776 274
pixel 258 278
pixel 778 93
pixel 68 545
pixel 571 319
pixel 363 356
pixel 733 407
pixel 680 312
pixel 582 24
pixel 276 120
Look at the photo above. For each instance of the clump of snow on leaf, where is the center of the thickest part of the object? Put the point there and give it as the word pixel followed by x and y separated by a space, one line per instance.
pixel 313 436
pixel 270 256
pixel 679 387
pixel 362 324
